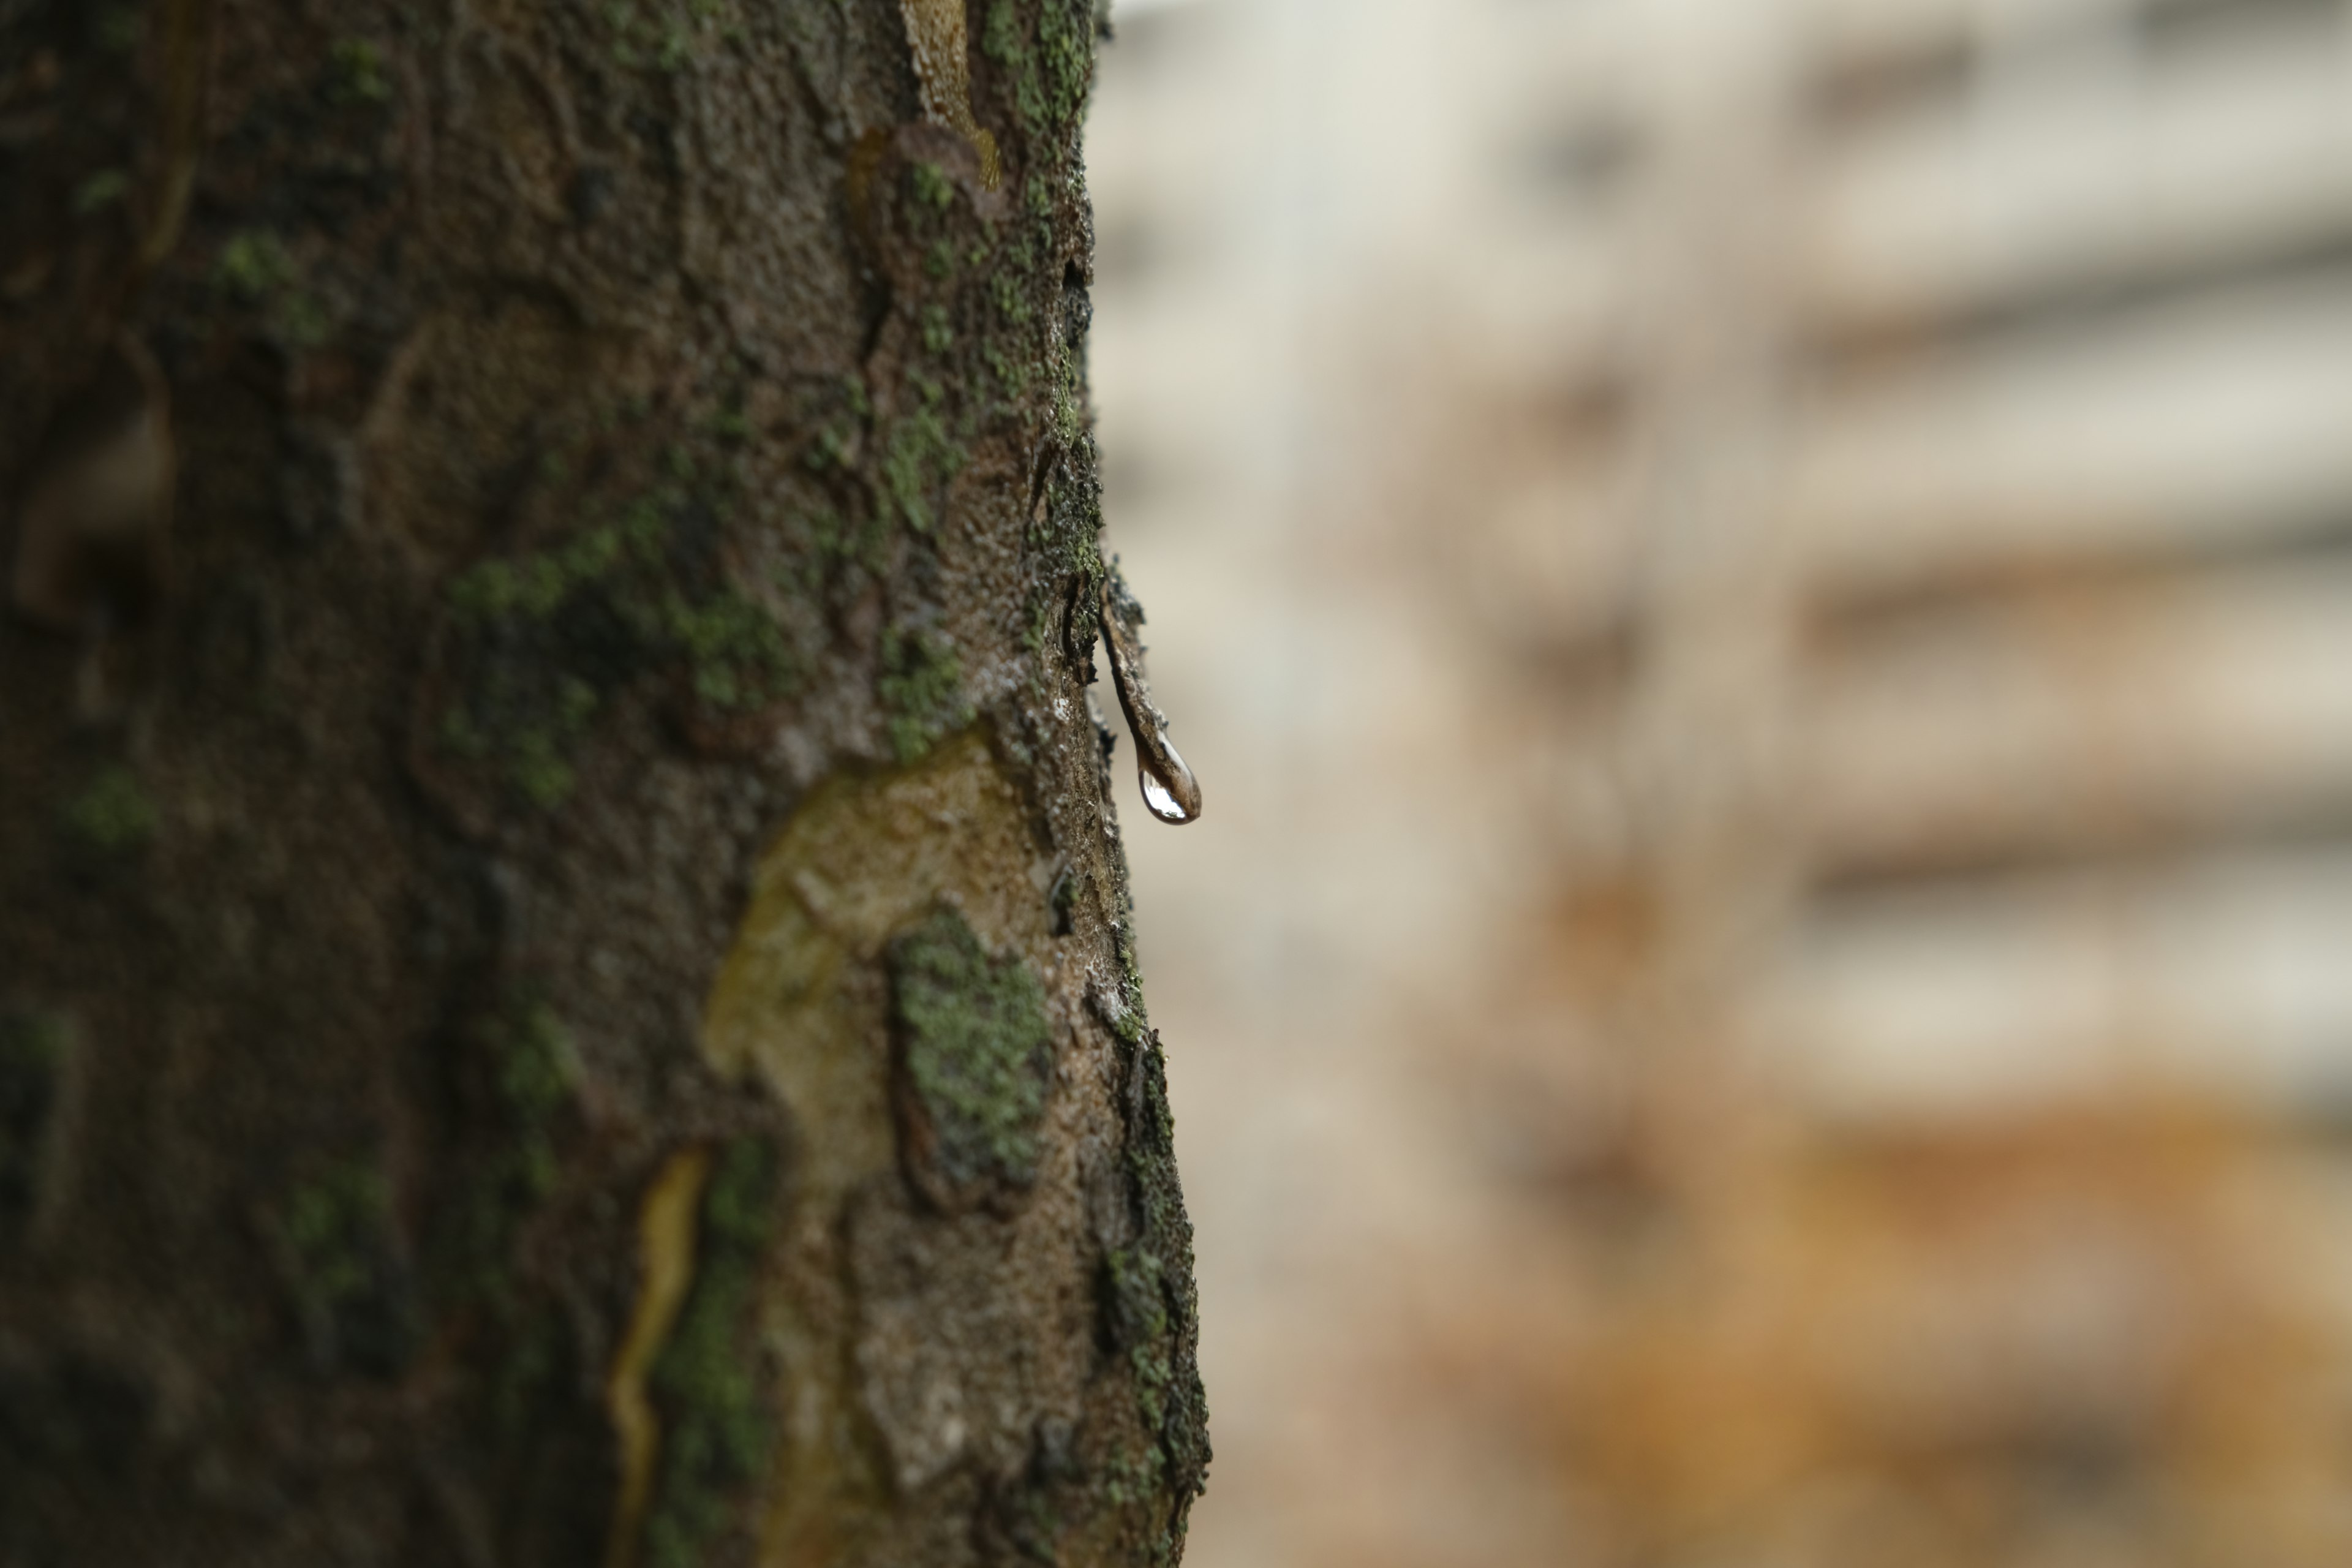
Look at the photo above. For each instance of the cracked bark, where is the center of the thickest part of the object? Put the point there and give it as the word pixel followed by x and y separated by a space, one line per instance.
pixel 566 977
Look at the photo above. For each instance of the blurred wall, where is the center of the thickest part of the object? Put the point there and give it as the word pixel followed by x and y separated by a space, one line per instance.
pixel 1761 591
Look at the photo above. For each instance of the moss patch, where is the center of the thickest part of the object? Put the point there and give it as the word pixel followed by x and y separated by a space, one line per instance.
pixel 1066 55
pixel 252 266
pixel 256 270
pixel 534 1071
pixel 103 189
pixel 521 1056
pixel 667 35
pixel 1138 1313
pixel 919 457
pixel 356 73
pixel 1150 1308
pixel 542 641
pixel 112 815
pixel 1006 42
pixel 349 1286
pixel 975 1060
pixel 1048 71
pixel 921 688
pixel 735 655
pixel 716 1429
pixel 931 186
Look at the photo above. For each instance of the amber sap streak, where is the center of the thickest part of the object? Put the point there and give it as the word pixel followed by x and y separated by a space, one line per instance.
pixel 937 34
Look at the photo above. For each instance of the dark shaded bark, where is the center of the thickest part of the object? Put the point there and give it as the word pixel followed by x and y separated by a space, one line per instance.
pixel 566 981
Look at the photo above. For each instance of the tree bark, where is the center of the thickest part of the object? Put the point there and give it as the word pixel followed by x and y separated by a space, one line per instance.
pixel 567 991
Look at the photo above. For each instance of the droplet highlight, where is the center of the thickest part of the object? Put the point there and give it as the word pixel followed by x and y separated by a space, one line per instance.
pixel 1170 790
pixel 1176 799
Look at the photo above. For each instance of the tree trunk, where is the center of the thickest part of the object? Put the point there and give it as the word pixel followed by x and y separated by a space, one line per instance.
pixel 567 991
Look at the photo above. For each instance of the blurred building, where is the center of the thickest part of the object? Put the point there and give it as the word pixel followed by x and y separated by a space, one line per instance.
pixel 1762 593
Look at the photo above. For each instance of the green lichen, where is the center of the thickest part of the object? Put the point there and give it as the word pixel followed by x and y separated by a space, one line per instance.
pixel 668 34
pixel 1069 415
pixel 1150 1305
pixel 1050 75
pixel 112 815
pixel 1066 49
pixel 1139 1322
pixel 735 656
pixel 534 1072
pixel 1004 41
pixel 33 1049
pixel 931 186
pixel 523 717
pixel 939 334
pixel 357 73
pixel 522 1057
pixel 546 637
pixel 716 1429
pixel 836 541
pixel 343 1257
pixel 976 1052
pixel 535 587
pixel 1012 303
pixel 102 189
pixel 327 1223
pixel 918 460
pixel 253 266
pixel 1006 348
pixel 301 321
pixel 829 449
pixel 1012 374
pixel 1068 538
pixel 921 688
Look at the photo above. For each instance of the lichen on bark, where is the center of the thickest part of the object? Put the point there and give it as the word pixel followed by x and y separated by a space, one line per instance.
pixel 609 704
pixel 975 1061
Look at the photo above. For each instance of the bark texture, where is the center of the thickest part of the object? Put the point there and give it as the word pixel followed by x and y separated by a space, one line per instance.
pixel 566 984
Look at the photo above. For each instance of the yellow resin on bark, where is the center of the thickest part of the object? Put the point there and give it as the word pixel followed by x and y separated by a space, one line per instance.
pixel 939 38
pixel 801 1000
pixel 665 1245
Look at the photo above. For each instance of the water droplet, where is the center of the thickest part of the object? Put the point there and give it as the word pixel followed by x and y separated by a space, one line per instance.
pixel 1170 790
pixel 1175 799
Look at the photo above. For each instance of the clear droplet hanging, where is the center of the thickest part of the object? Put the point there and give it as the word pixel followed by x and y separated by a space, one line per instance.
pixel 1170 790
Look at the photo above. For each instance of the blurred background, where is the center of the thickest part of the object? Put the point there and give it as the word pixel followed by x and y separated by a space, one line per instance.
pixel 1761 593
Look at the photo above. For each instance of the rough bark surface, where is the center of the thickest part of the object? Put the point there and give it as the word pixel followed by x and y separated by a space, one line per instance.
pixel 566 987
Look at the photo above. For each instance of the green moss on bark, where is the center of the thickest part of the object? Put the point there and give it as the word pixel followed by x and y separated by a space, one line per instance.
pixel 112 815
pixel 540 642
pixel 717 1425
pixel 350 1285
pixel 975 1059
pixel 1149 1303
pixel 919 455
pixel 521 1056
pixel 921 688
pixel 1048 66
